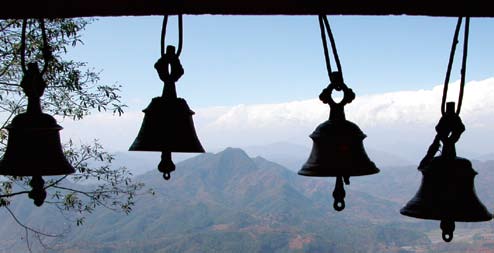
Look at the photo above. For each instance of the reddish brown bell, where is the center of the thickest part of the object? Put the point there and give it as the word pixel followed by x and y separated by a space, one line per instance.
pixel 168 126
pixel 447 192
pixel 338 149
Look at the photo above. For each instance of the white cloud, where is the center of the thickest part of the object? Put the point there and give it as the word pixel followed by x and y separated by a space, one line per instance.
pixel 391 120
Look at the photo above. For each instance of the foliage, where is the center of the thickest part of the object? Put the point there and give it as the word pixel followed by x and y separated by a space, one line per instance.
pixel 72 91
pixel 73 88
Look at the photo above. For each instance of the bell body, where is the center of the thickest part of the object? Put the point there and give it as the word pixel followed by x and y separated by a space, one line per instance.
pixel 168 127
pixel 447 192
pixel 33 147
pixel 338 150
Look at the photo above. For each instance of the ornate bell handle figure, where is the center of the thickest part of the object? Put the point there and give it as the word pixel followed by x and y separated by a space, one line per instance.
pixel 337 111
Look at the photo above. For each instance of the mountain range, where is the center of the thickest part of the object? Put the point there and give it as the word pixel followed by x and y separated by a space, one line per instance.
pixel 230 202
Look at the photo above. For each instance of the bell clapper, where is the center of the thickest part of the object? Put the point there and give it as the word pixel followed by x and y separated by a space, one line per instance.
pixel 166 165
pixel 339 193
pixel 448 227
pixel 38 192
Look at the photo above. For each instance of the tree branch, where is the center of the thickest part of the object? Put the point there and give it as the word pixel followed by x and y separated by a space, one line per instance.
pixel 13 194
pixel 27 228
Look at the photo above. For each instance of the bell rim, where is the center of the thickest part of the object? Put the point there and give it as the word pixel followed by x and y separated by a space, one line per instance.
pixel 312 172
pixel 405 212
pixel 7 170
pixel 201 150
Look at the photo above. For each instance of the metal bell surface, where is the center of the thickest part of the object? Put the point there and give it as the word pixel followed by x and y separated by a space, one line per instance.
pixel 167 126
pixel 338 150
pixel 447 192
pixel 33 147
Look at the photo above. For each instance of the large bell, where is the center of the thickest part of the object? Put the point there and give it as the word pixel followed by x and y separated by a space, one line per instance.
pixel 447 192
pixel 168 126
pixel 338 149
pixel 33 146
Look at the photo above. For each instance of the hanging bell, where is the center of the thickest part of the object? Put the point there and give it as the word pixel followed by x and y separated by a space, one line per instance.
pixel 33 146
pixel 447 192
pixel 338 149
pixel 167 126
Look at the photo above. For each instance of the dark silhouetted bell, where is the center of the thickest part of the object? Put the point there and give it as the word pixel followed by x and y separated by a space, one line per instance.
pixel 33 147
pixel 447 192
pixel 167 126
pixel 338 149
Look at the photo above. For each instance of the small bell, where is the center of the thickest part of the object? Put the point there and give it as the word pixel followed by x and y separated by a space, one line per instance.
pixel 447 192
pixel 33 147
pixel 338 149
pixel 167 126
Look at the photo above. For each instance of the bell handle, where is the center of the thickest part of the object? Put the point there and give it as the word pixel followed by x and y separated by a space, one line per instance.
pixel 337 84
pixel 169 70
pixel 449 130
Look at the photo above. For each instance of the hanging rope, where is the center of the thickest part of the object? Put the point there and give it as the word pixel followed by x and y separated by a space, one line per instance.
pixel 463 65
pixel 23 46
pixel 180 34
pixel 446 128
pixel 324 26
pixel 46 49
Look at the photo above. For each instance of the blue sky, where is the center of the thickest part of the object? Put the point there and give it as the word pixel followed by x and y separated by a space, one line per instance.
pixel 233 60
pixel 254 80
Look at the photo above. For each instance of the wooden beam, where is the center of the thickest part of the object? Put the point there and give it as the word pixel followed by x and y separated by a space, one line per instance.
pixel 94 8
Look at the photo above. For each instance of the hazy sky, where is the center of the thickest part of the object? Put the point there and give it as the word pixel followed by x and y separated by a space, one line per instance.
pixel 255 79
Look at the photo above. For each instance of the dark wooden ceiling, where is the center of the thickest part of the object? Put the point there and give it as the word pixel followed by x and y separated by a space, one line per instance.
pixel 99 8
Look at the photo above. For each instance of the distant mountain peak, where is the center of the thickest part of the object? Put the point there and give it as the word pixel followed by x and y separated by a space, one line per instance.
pixel 230 150
pixel 234 157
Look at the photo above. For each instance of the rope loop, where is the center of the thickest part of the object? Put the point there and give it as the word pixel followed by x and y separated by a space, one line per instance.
pixel 325 28
pixel 463 65
pixel 45 49
pixel 180 35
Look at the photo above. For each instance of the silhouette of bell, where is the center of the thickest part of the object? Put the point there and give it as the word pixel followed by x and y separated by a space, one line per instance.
pixel 168 126
pixel 33 146
pixel 447 192
pixel 338 149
